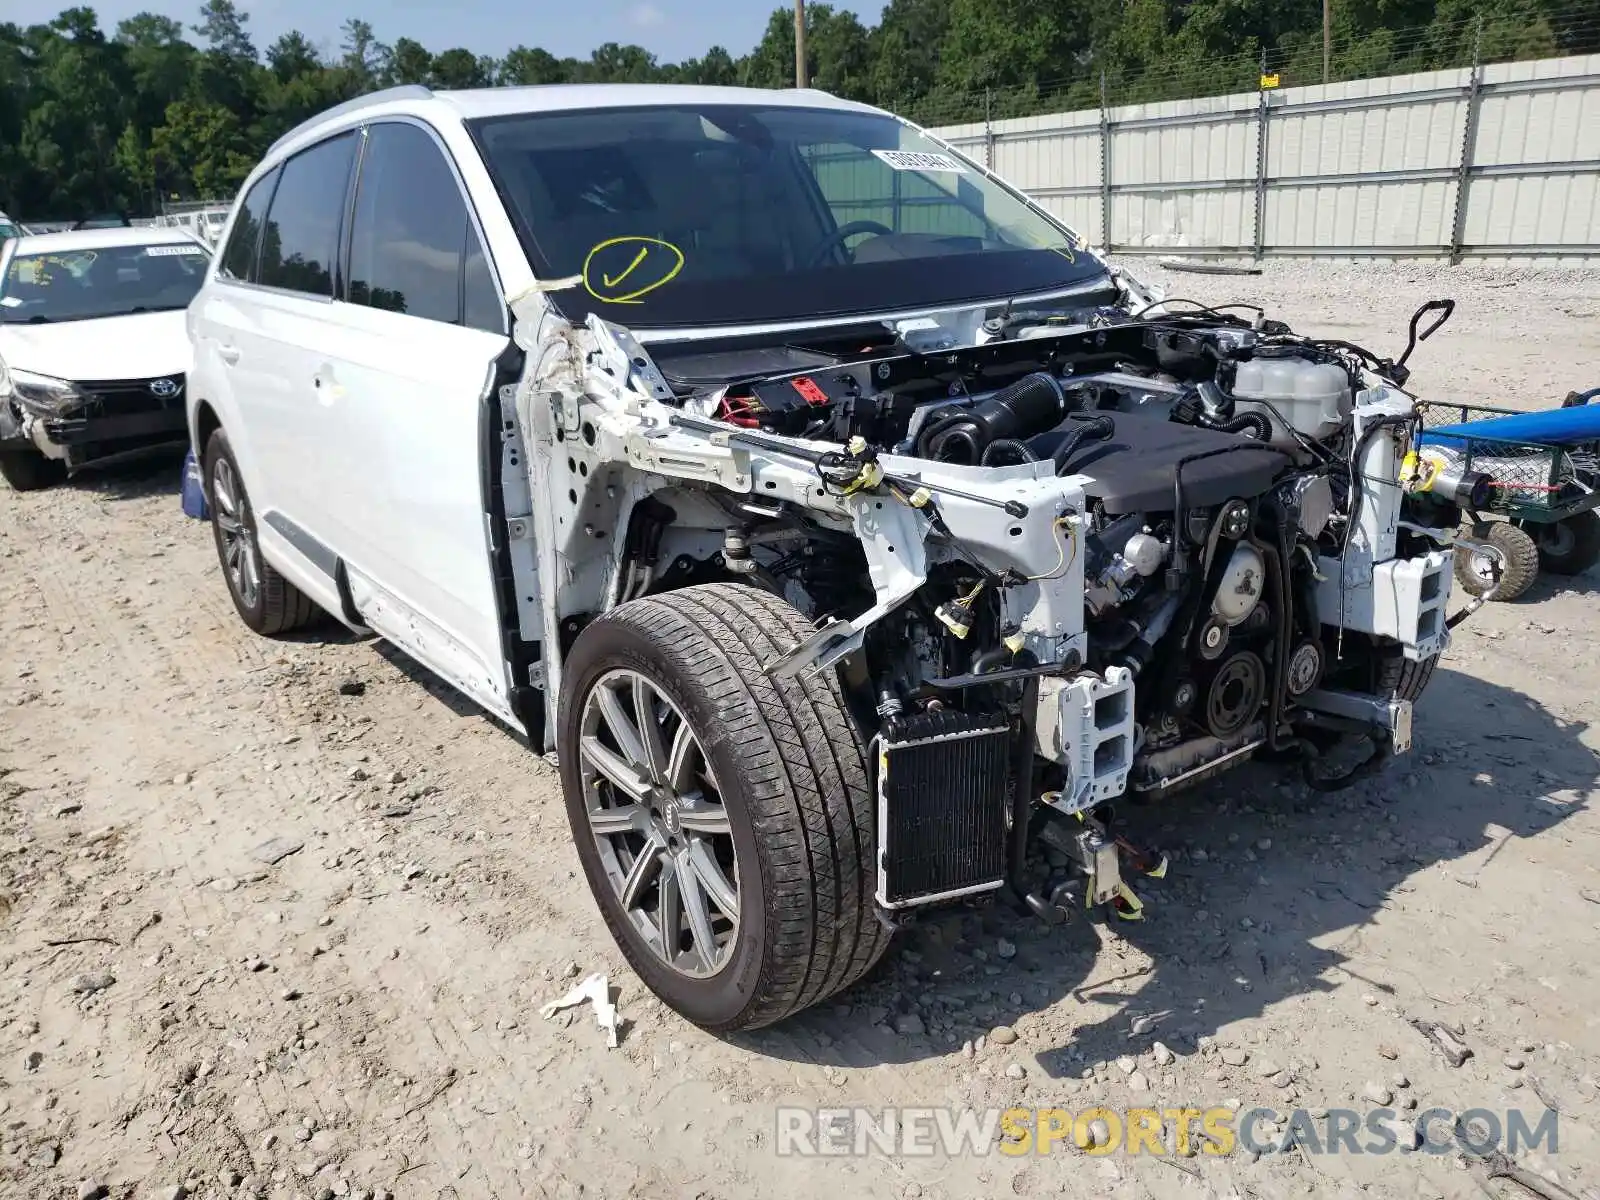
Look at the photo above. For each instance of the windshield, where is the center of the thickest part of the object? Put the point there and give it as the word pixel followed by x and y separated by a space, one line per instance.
pixel 8 230
pixel 730 214
pixel 109 281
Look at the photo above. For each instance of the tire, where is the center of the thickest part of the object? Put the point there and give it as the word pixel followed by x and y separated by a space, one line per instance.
pixel 1570 546
pixel 1396 677
pixel 26 470
pixel 267 602
pixel 794 829
pixel 1379 669
pixel 1520 569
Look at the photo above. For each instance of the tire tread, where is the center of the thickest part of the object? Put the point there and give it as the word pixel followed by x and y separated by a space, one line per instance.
pixel 804 780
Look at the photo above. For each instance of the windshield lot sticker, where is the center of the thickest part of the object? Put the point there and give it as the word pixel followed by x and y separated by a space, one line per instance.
pixel 917 160
pixel 622 270
pixel 172 251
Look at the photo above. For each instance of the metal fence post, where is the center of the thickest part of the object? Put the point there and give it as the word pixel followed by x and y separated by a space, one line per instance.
pixel 1469 139
pixel 1105 167
pixel 1263 117
pixel 988 128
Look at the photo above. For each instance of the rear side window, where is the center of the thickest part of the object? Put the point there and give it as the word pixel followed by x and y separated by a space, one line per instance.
pixel 413 249
pixel 301 242
pixel 239 259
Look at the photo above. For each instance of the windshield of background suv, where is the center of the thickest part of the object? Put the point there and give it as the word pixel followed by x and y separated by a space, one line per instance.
pixel 109 281
pixel 690 215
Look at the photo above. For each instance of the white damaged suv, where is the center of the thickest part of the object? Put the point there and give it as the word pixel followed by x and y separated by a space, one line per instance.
pixel 847 525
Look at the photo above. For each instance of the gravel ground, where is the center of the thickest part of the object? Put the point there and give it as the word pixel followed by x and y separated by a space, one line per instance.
pixel 361 1016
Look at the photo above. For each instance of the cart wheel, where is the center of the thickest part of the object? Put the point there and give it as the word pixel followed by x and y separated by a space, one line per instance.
pixel 1475 572
pixel 1570 546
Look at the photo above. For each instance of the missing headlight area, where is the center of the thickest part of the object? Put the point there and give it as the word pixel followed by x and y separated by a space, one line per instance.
pixel 1053 554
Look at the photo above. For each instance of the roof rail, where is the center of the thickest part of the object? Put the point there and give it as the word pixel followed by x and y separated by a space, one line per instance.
pixel 406 91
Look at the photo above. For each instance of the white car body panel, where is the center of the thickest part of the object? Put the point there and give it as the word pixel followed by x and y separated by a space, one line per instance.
pixel 406 395
pixel 131 347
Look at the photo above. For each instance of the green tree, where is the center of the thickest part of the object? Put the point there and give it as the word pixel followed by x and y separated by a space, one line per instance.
pixel 199 150
pixel 222 26
pixel 613 63
pixel 409 62
pixel 365 57
pixel 462 69
pixel 905 49
pixel 291 56
pixel 838 53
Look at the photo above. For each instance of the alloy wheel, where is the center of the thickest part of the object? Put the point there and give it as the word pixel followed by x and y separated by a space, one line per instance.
pixel 657 817
pixel 241 558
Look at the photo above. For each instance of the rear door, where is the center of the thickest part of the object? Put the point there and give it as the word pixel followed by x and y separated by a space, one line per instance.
pixel 219 320
pixel 267 335
pixel 288 348
pixel 420 336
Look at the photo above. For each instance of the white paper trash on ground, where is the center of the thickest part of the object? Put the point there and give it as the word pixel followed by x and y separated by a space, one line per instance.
pixel 597 991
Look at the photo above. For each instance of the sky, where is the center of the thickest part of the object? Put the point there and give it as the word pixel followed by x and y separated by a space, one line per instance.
pixel 670 29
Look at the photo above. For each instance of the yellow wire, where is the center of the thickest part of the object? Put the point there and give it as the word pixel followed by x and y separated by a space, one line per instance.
pixel 1063 564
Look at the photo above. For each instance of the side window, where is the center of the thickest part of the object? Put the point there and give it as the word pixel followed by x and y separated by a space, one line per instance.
pixel 413 249
pixel 301 243
pixel 239 258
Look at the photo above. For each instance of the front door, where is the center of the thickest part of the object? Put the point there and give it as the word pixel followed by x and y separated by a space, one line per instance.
pixel 419 339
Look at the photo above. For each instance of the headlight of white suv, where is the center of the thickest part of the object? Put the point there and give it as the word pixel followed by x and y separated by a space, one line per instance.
pixel 43 395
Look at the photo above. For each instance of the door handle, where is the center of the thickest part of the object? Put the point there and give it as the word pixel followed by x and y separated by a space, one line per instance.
pixel 327 388
pixel 228 354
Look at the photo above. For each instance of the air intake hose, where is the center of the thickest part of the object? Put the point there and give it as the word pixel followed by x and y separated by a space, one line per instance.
pixel 1032 403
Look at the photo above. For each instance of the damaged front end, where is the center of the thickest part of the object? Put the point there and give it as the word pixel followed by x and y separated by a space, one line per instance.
pixel 1060 556
pixel 77 423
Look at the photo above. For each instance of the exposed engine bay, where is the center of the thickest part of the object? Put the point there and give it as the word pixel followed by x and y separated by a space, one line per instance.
pixel 1057 557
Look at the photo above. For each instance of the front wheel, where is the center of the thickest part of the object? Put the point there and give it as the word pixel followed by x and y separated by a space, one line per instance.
pixel 724 818
pixel 26 470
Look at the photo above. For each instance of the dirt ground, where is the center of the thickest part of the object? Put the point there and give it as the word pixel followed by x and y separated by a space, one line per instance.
pixel 361 1017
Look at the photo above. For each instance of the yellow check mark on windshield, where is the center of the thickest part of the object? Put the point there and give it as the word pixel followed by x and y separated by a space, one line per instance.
pixel 661 261
pixel 638 258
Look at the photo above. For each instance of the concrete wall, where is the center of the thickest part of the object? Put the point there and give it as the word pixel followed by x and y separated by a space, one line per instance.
pixel 1499 162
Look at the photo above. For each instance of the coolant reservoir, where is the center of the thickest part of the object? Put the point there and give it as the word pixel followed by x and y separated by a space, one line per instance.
pixel 1313 397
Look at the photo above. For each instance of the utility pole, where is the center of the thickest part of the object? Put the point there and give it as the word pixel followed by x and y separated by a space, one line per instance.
pixel 800 74
pixel 1327 38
